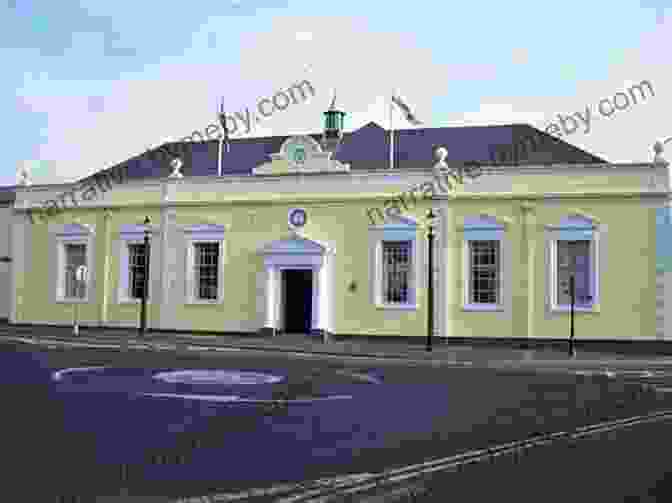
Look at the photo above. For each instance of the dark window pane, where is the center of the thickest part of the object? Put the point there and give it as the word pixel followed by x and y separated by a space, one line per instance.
pixel 136 270
pixel 574 259
pixel 484 274
pixel 396 271
pixel 206 270
pixel 75 256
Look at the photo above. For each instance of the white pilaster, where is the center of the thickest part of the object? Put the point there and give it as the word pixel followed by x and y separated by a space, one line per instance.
pixel 449 271
pixel 529 231
pixel 168 269
pixel 322 287
pixel 104 291
pixel 21 233
pixel 272 283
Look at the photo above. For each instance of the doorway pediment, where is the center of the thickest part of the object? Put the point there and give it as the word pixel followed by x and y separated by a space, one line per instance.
pixel 296 245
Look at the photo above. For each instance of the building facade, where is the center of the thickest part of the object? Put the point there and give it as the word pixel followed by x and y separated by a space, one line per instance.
pixel 313 234
pixel 6 210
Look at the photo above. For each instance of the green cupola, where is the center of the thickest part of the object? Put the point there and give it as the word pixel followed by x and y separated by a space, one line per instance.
pixel 333 127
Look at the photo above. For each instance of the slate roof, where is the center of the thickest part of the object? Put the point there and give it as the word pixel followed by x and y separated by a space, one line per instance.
pixel 7 195
pixel 366 148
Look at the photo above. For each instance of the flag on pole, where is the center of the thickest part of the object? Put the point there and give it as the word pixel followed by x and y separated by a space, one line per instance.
pixel 224 139
pixel 406 110
pixel 408 115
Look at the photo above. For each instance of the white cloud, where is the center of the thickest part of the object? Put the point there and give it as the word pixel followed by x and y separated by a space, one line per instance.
pixel 499 113
pixel 520 55
pixel 304 36
pixel 170 101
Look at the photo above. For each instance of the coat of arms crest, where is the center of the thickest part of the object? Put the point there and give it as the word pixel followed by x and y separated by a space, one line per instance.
pixel 296 153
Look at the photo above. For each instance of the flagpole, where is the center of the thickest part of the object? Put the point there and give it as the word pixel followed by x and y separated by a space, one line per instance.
pixel 219 160
pixel 221 140
pixel 391 134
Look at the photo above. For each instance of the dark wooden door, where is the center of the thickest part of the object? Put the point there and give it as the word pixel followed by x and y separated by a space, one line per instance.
pixel 298 289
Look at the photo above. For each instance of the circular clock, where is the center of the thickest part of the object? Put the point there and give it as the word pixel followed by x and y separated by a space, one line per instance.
pixel 297 217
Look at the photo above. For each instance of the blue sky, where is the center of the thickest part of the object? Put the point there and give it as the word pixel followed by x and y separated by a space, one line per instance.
pixel 89 84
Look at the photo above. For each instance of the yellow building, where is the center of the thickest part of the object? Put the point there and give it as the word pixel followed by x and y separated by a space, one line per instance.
pixel 315 234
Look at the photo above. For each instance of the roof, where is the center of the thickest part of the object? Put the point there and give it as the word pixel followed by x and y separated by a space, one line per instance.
pixel 366 148
pixel 7 194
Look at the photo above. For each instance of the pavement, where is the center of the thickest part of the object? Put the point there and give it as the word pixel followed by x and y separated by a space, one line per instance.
pixel 479 356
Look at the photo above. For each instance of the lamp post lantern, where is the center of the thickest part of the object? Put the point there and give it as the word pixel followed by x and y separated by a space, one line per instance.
pixel 430 278
pixel 145 281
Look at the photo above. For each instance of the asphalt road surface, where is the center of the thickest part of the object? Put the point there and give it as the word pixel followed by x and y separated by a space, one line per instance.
pixel 72 435
pixel 630 465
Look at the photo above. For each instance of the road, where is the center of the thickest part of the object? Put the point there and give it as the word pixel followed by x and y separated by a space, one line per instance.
pixel 627 465
pixel 397 415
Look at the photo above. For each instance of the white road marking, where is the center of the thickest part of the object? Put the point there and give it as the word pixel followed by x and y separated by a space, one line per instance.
pixel 642 374
pixel 237 399
pixel 85 345
pixel 209 398
pixel 28 340
pixel 364 377
pixel 210 348
pixel 284 488
pixel 216 376
pixel 58 375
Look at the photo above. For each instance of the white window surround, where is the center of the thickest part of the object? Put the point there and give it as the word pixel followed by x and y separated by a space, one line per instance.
pixel 203 233
pixel 483 228
pixel 399 228
pixel 573 228
pixel 134 234
pixel 73 234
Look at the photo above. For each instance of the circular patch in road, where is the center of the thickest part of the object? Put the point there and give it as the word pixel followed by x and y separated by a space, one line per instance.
pixel 261 386
pixel 224 377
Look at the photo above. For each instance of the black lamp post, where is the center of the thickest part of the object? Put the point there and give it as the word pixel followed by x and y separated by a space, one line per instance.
pixel 571 315
pixel 430 278
pixel 145 282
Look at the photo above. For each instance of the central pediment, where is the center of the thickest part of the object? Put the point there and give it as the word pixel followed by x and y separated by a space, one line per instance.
pixel 295 244
pixel 300 154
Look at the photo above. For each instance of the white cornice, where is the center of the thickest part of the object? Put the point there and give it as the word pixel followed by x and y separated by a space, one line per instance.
pixel 261 200
pixel 364 185
pixel 554 169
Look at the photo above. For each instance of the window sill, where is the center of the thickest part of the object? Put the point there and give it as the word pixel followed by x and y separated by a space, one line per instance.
pixel 72 301
pixel 203 302
pixel 133 301
pixel 398 307
pixel 482 307
pixel 595 308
